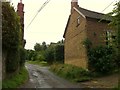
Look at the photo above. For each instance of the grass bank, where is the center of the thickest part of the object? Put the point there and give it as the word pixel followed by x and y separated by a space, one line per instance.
pixel 41 63
pixel 70 72
pixel 16 80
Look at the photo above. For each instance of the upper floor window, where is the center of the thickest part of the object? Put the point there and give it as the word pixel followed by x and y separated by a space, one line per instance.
pixel 78 21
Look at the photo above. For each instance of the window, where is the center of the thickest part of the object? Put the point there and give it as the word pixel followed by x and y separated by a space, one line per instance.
pixel 78 21
pixel 108 37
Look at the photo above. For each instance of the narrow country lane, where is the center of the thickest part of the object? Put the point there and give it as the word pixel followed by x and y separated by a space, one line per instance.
pixel 41 77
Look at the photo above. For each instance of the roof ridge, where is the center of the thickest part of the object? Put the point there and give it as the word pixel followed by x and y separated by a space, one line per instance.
pixel 92 11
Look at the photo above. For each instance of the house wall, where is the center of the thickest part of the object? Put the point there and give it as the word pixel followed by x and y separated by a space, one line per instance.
pixel 75 52
pixel 96 31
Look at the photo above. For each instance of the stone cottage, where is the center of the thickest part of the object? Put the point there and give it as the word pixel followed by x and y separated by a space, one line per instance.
pixel 83 24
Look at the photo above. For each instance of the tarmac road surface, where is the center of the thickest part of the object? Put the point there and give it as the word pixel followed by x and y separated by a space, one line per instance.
pixel 41 77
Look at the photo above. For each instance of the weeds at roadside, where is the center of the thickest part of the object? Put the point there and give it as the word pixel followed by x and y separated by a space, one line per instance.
pixel 71 72
pixel 41 63
pixel 16 80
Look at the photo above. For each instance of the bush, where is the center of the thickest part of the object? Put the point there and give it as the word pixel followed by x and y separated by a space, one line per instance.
pixel 101 59
pixel 22 56
pixel 12 62
pixel 40 56
pixel 49 55
pixel 87 43
pixel 59 53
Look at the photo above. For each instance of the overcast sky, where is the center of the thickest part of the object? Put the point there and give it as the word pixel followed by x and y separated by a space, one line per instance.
pixel 50 23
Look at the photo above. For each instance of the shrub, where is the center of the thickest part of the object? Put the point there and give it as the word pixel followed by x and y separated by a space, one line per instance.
pixel 22 56
pixel 12 62
pixel 87 43
pixel 101 59
pixel 40 56
pixel 49 55
pixel 59 53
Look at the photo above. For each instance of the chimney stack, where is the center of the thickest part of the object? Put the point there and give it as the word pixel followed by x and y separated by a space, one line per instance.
pixel 20 11
pixel 74 3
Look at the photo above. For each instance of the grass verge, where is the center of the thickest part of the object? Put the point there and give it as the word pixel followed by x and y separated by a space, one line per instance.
pixel 70 72
pixel 16 80
pixel 41 63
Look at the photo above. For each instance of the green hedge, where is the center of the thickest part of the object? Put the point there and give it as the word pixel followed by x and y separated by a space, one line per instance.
pixel 10 27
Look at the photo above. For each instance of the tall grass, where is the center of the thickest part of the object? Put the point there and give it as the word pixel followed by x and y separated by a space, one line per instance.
pixel 17 80
pixel 70 72
pixel 41 63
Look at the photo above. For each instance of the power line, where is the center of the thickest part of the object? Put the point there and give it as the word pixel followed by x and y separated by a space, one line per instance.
pixel 38 12
pixel 107 6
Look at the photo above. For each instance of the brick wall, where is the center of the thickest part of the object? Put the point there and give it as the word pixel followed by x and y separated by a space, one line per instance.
pixel 96 31
pixel 75 52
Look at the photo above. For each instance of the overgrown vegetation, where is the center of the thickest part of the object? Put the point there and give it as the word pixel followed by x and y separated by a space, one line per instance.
pixel 71 72
pixel 53 52
pixel 16 80
pixel 13 49
pixel 41 63
pixel 101 59
pixel 10 27
pixel 87 43
pixel 116 25
pixel 10 36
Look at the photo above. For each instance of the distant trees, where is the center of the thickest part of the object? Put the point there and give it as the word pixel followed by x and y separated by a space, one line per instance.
pixel 39 47
pixel 54 52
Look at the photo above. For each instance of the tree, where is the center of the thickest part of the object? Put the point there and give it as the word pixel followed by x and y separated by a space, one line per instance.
pixel 49 54
pixel 44 46
pixel 59 53
pixel 116 24
pixel 37 47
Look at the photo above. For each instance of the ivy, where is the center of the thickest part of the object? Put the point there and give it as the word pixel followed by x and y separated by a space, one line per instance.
pixel 10 27
pixel 12 38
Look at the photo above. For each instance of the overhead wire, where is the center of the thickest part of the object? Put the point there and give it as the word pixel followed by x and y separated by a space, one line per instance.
pixel 108 6
pixel 44 4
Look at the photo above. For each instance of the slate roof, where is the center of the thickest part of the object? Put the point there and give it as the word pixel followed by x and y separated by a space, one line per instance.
pixel 90 14
pixel 66 26
pixel 93 14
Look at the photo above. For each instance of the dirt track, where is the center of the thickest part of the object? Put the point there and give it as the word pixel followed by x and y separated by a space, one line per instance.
pixel 41 77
